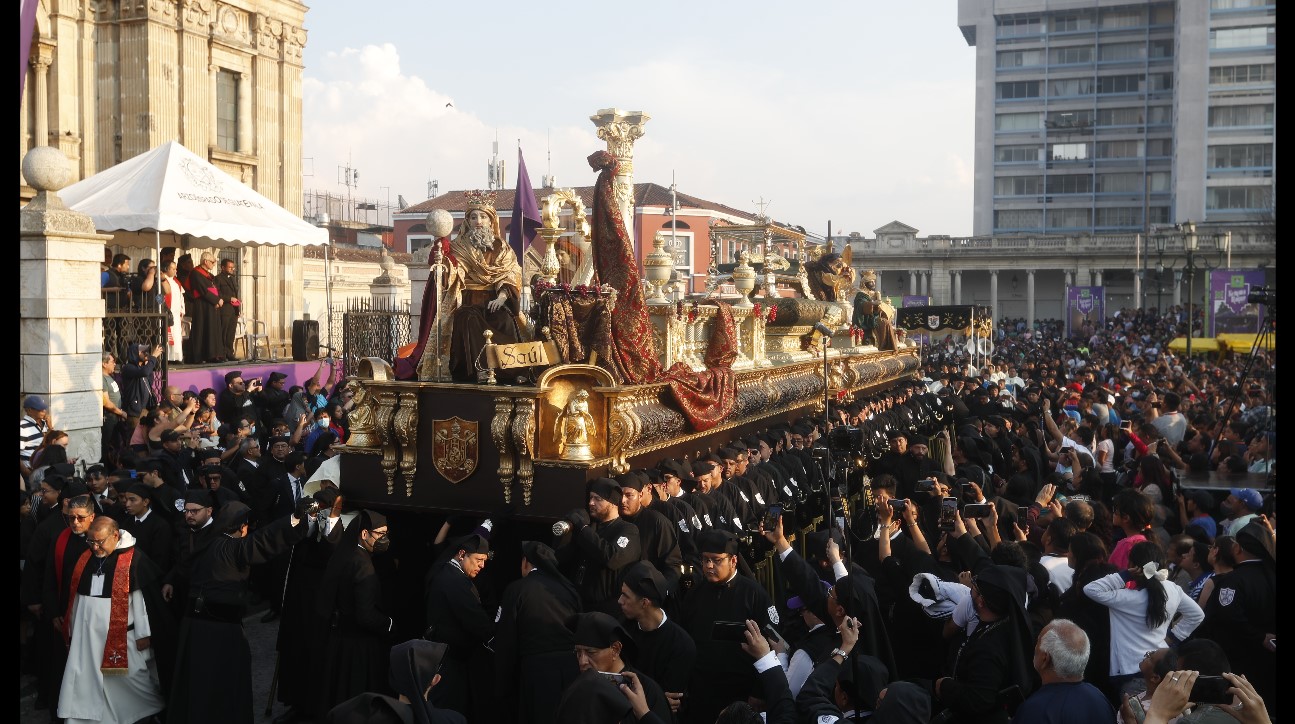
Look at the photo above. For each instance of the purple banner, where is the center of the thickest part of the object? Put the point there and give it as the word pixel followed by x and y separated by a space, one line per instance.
pixel 1085 310
pixel 916 300
pixel 1228 310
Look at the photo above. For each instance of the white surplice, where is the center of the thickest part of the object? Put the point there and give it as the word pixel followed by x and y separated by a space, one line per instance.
pixel 89 696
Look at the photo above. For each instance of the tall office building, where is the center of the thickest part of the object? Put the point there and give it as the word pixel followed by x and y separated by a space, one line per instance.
pixel 1110 116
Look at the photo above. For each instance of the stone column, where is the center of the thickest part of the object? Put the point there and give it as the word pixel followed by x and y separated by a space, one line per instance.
pixel 212 106
pixel 993 294
pixel 1070 279
pixel 620 129
pixel 1029 298
pixel 912 283
pixel 957 287
pixel 245 114
pixel 1097 277
pixel 1137 289
pixel 926 283
pixel 60 310
pixel 1178 287
pixel 40 63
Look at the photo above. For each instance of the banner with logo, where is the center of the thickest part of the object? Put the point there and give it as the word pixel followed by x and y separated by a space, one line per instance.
pixel 1084 305
pixel 1228 311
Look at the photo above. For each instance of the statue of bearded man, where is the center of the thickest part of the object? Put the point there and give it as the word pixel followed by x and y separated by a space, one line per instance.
pixel 492 282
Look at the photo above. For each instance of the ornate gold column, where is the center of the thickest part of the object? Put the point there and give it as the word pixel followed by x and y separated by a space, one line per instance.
pixel 620 129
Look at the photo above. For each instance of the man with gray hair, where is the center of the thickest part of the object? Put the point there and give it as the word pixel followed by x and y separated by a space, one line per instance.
pixel 1060 655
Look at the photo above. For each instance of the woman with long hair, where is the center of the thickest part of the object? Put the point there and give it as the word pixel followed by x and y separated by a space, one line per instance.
pixel 1153 478
pixel 173 301
pixel 1087 556
pixel 1142 604
pixel 1105 451
pixel 42 457
pixel 1194 560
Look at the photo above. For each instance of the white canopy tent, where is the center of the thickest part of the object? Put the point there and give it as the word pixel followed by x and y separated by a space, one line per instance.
pixel 171 189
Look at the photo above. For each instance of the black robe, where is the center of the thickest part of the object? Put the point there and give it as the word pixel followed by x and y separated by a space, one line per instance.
pixel 213 646
pixel 723 672
pixel 153 536
pixel 227 286
pixel 205 343
pixel 455 617
pixel 189 546
pixel 533 660
pixel 659 544
pixel 596 554
pixel 1242 611
pixel 54 599
pixel 666 654
pixel 307 563
pixel 352 657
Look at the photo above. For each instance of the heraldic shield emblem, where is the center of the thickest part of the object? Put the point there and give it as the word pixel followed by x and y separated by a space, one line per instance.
pixel 454 448
pixel 933 321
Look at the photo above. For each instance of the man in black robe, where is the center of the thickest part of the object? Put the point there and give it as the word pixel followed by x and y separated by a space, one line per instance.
pixel 153 533
pixel 1242 614
pixel 658 539
pixel 456 618
pixel 307 563
pixel 352 658
pixel 723 673
pixel 191 540
pixel 230 309
pixel 665 651
pixel 533 661
pixel 603 645
pixel 599 546
pixel 203 305
pixel 213 646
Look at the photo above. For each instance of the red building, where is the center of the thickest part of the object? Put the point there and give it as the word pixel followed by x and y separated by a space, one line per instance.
pixel 690 223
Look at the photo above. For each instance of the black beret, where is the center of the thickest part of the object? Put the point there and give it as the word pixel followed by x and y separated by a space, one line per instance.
pixel 606 488
pixel 469 544
pixel 646 581
pixel 198 496
pixel 717 541
pixel 600 631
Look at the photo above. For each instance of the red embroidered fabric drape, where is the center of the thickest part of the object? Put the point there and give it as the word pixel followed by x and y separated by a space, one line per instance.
pixel 706 398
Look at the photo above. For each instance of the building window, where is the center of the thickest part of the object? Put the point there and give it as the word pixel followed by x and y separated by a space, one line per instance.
pixel 1018 186
pixel 1016 122
pixel 227 110
pixel 1010 219
pixel 1119 183
pixel 1160 147
pixel 1117 18
pixel 1162 14
pixel 1016 154
pixel 1160 115
pixel 1072 22
pixel 1119 149
pixel 1070 87
pixel 1223 198
pixel 1071 55
pixel 1262 36
pixel 1120 84
pixel 1115 52
pixel 1019 58
pixel 1070 119
pixel 1016 25
pixel 1119 117
pixel 1125 217
pixel 1240 116
pixel 1068 152
pixel 680 246
pixel 1243 74
pixel 1070 184
pixel 1162 49
pixel 1018 89
pixel 1070 218
pixel 1160 82
pixel 1244 155
pixel 1241 4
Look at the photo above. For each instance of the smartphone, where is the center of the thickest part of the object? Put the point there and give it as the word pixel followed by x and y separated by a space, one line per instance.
pixel 969 493
pixel 1210 690
pixel 772 633
pixel 977 510
pixel 925 486
pixel 771 517
pixel 948 513
pixel 616 679
pixel 728 631
pixel 898 504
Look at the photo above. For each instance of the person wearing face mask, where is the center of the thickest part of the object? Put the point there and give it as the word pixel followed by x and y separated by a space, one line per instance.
pixel 353 655
pixel 321 426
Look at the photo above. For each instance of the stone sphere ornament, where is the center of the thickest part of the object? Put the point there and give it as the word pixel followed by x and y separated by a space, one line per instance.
pixel 46 169
pixel 440 223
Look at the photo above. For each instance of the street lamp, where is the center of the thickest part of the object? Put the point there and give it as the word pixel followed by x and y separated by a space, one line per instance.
pixel 1191 243
pixel 1161 242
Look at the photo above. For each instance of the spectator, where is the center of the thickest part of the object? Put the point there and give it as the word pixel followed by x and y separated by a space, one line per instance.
pixel 1241 507
pixel 1060 657
pixel 31 431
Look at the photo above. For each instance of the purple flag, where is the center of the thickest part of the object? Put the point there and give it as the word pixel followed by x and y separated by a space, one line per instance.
pixel 525 221
pixel 26 26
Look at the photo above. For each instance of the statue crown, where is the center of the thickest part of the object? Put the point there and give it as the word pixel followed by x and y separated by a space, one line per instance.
pixel 481 199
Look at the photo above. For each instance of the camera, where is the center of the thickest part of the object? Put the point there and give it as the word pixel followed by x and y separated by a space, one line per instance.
pixel 898 504
pixel 616 679
pixel 1262 295
pixel 845 439
pixel 925 486
pixel 771 517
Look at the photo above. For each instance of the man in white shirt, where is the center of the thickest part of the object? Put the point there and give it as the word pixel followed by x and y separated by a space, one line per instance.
pixel 1171 423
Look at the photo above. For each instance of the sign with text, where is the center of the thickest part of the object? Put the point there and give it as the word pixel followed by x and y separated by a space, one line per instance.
pixel 1228 310
pixel 522 354
pixel 1085 307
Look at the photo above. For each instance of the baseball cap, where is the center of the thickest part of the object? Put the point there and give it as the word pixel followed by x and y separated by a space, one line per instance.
pixel 1249 496
pixel 34 402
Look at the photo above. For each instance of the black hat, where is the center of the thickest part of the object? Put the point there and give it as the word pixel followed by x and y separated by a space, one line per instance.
pixel 1003 588
pixel 413 665
pixel 996 421
pixel 646 581
pixel 1255 539
pixel 600 631
pixel 728 453
pixel 150 465
pixel 276 376
pixel 142 490
pixel 231 517
pixel 702 467
pixel 816 543
pixel 606 488
pixel 372 520
pixel 717 541
pixel 469 544
pixel 278 438
pixel 633 480
pixel 55 481
pixel 371 709
pixel 198 496
pixel 232 375
pixel 72 489
pixel 592 699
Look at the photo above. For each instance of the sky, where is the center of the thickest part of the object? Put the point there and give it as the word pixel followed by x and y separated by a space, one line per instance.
pixel 855 112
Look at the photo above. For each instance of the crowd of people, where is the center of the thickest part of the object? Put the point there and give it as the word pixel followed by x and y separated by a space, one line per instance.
pixel 1039 538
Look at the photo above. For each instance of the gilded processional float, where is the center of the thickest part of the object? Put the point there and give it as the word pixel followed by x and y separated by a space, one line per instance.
pixel 520 389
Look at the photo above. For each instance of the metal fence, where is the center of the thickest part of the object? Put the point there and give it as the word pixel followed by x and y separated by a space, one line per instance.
pixel 372 328
pixel 122 329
